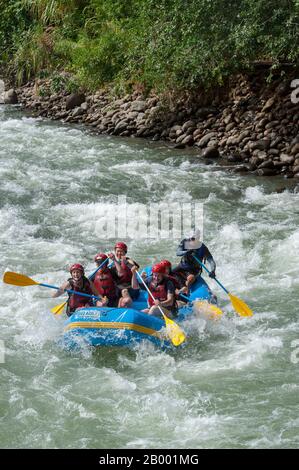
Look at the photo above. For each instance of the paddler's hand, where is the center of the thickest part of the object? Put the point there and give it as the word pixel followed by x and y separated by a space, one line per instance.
pixel 111 256
pixel 212 274
pixel 183 290
pixel 157 302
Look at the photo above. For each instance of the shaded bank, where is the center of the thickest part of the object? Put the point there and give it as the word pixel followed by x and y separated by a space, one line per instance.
pixel 250 123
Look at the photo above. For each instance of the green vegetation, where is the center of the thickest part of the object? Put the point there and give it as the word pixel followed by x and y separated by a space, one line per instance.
pixel 162 44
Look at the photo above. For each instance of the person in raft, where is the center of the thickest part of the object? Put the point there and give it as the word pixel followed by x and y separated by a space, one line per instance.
pixel 126 299
pixel 163 292
pixel 177 281
pixel 105 283
pixel 174 278
pixel 188 267
pixel 79 283
pixel 122 269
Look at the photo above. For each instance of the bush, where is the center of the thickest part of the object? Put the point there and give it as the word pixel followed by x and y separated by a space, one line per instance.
pixel 164 44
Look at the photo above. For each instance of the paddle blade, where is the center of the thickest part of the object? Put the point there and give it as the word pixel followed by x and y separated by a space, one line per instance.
pixel 239 305
pixel 176 335
pixel 210 311
pixel 17 279
pixel 59 308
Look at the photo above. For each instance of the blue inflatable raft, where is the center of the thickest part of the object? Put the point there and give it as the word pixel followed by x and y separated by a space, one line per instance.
pixel 104 326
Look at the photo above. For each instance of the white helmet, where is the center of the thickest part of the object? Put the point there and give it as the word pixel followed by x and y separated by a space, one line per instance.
pixel 195 233
pixel 195 243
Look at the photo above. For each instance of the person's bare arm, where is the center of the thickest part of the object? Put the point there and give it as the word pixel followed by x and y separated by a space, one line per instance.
pixel 134 281
pixel 62 289
pixel 169 301
pixel 117 264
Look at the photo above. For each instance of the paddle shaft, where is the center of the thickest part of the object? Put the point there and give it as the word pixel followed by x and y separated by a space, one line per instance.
pixel 70 291
pixel 181 295
pixel 215 278
pixel 185 297
pixel 149 292
pixel 91 276
pixel 239 305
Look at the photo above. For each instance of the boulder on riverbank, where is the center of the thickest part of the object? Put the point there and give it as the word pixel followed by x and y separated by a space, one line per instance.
pixel 10 97
pixel 248 122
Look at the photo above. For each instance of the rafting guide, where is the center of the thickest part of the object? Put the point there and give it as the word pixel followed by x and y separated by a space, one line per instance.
pixel 188 267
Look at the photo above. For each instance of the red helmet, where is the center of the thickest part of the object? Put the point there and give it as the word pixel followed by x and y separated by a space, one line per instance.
pixel 121 246
pixel 100 257
pixel 77 266
pixel 158 268
pixel 166 263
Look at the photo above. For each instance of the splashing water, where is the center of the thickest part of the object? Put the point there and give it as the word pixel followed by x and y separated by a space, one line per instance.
pixel 233 385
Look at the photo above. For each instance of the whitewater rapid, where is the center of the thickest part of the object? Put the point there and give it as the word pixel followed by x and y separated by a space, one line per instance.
pixel 235 384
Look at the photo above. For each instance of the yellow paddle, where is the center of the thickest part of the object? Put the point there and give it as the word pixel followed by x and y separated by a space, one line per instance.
pixel 17 279
pixel 209 308
pixel 21 280
pixel 59 308
pixel 212 312
pixel 175 333
pixel 239 305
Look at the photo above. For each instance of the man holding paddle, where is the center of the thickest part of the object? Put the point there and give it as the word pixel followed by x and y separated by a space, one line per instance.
pixel 162 298
pixel 188 268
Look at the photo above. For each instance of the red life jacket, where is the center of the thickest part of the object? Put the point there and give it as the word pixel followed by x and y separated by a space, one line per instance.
pixel 159 292
pixel 105 284
pixel 127 273
pixel 77 300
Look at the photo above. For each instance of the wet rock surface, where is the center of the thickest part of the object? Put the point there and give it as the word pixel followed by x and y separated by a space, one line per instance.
pixel 252 125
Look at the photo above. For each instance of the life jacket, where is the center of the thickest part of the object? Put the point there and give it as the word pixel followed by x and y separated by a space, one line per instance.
pixel 76 300
pixel 127 273
pixel 105 284
pixel 188 262
pixel 160 292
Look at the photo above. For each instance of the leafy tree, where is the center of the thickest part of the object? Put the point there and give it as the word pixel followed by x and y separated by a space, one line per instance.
pixel 158 43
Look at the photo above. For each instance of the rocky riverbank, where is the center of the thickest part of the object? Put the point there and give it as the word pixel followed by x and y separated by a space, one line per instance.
pixel 252 124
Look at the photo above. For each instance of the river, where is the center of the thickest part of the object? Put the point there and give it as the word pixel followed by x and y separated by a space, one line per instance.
pixel 234 385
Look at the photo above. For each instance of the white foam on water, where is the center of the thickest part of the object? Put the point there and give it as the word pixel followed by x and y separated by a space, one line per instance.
pixel 57 183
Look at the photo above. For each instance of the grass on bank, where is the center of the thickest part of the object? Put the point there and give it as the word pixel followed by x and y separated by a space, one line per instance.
pixel 165 44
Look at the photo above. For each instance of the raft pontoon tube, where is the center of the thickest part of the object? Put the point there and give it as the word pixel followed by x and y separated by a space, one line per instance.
pixel 106 326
